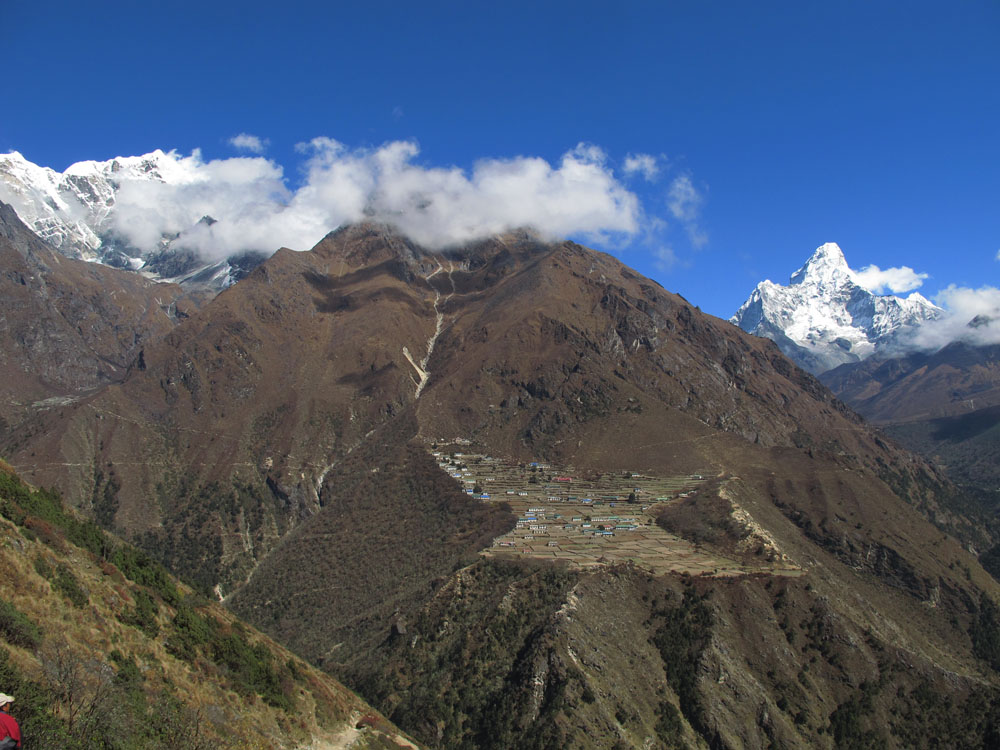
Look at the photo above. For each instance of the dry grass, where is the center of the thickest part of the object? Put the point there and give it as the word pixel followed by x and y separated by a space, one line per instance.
pixel 74 656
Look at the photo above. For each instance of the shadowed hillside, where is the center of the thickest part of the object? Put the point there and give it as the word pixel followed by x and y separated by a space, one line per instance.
pixel 944 406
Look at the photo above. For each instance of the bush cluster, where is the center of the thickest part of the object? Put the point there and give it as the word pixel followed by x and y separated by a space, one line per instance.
pixel 249 668
pixel 16 628
pixel 143 614
pixel 681 638
pixel 73 707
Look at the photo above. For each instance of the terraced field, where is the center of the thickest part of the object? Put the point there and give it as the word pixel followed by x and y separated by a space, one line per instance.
pixel 589 520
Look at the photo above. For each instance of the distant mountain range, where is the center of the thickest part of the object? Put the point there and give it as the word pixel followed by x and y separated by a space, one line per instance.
pixel 941 402
pixel 823 318
pixel 75 212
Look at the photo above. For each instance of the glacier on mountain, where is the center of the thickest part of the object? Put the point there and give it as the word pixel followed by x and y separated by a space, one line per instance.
pixel 74 211
pixel 824 318
pixel 71 210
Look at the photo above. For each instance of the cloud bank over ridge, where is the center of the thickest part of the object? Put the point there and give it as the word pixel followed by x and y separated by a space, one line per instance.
pixel 971 315
pixel 436 206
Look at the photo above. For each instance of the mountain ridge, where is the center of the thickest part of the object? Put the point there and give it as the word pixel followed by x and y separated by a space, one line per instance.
pixel 102 645
pixel 322 347
pixel 70 326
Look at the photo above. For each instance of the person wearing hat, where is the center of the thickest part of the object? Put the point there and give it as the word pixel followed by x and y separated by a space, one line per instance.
pixel 8 725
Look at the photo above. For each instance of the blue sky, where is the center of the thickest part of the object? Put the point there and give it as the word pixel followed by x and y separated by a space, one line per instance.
pixel 788 124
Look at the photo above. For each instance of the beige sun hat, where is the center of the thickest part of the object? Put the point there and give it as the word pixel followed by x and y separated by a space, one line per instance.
pixel 5 699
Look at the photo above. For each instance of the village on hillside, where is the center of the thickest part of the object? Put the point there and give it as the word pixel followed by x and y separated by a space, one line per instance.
pixel 590 519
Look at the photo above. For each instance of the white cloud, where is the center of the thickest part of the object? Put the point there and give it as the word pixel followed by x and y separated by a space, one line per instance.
pixel 645 164
pixel 251 143
pixel 891 280
pixel 246 195
pixel 684 202
pixel 666 258
pixel 683 199
pixel 971 315
pixel 435 206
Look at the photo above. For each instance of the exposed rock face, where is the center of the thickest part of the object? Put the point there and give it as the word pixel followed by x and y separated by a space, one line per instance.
pixel 823 318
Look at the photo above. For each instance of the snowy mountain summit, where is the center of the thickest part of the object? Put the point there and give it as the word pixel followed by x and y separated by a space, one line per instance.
pixel 71 210
pixel 825 318
pixel 75 211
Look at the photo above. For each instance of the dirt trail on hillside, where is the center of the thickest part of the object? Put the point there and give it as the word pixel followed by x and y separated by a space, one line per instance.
pixel 349 737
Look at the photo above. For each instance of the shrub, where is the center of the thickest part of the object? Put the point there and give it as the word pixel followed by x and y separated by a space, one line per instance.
pixel 42 567
pixel 143 615
pixel 985 632
pixel 669 726
pixel 16 628
pixel 140 568
pixel 248 668
pixel 65 582
pixel 681 639
pixel 190 631
pixel 129 675
pixel 42 512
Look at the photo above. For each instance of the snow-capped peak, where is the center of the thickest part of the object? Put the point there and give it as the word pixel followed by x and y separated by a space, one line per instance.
pixel 157 165
pixel 71 209
pixel 826 265
pixel 75 210
pixel 824 318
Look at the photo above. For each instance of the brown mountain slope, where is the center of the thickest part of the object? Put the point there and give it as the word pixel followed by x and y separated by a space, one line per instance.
pixel 955 380
pixel 218 447
pixel 945 406
pixel 543 654
pixel 69 326
pixel 276 444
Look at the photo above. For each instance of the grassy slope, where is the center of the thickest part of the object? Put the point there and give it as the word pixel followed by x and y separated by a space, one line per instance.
pixel 103 649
